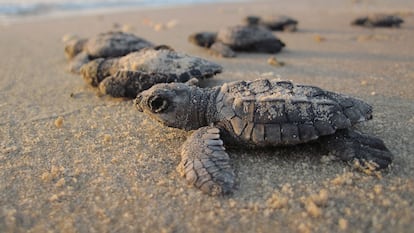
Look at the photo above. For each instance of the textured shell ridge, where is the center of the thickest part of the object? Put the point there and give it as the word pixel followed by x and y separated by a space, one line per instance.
pixel 113 44
pixel 169 62
pixel 240 35
pixel 280 112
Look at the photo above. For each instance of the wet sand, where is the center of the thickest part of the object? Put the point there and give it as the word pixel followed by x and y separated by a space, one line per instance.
pixel 72 160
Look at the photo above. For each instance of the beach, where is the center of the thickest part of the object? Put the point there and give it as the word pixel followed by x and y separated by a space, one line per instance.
pixel 73 160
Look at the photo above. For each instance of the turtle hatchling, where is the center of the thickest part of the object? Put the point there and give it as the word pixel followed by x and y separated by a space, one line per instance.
pixel 103 45
pixel 378 20
pixel 238 38
pixel 129 75
pixel 259 113
pixel 273 22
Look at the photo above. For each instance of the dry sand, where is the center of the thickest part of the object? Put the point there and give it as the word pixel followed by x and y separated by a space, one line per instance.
pixel 74 161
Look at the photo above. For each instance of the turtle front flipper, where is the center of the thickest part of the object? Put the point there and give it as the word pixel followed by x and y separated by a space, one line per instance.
pixel 350 145
pixel 205 164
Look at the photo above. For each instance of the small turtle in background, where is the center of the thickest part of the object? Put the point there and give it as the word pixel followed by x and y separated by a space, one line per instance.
pixel 238 38
pixel 129 75
pixel 273 22
pixel 109 44
pixel 378 20
pixel 254 114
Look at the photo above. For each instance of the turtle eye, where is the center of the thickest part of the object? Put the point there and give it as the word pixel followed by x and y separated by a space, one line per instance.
pixel 157 104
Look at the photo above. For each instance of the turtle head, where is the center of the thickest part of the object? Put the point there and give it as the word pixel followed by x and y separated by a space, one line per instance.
pixel 73 47
pixel 360 21
pixel 92 72
pixel 203 39
pixel 169 104
pixel 252 20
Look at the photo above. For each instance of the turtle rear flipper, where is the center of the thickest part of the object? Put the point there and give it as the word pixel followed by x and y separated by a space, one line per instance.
pixel 205 164
pixel 351 145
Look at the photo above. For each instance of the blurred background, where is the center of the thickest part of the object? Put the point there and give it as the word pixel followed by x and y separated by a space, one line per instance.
pixel 13 9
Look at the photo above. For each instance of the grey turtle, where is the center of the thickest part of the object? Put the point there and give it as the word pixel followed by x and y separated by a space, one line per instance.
pixel 103 45
pixel 238 38
pixel 129 75
pixel 378 20
pixel 258 113
pixel 273 22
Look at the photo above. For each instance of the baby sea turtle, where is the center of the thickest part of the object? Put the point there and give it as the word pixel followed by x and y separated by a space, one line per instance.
pixel 103 45
pixel 128 75
pixel 273 22
pixel 378 20
pixel 255 114
pixel 238 38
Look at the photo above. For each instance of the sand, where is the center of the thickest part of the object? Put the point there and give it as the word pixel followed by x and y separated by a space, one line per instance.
pixel 75 161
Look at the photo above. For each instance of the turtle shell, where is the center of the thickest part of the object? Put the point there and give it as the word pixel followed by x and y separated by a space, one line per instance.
pixel 273 22
pixel 250 38
pixel 268 112
pixel 279 23
pixel 169 62
pixel 378 20
pixel 161 60
pixel 114 44
pixel 104 45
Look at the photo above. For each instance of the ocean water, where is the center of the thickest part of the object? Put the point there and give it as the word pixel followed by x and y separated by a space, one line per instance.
pixel 22 8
